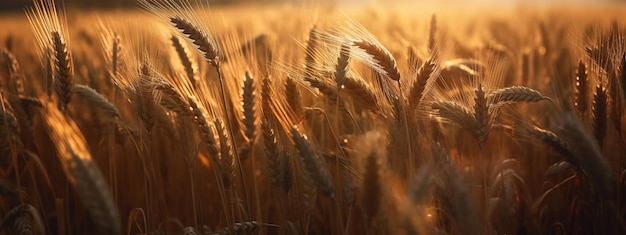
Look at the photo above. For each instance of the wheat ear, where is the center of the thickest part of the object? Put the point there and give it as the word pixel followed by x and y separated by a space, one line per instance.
pixel 382 58
pixel 185 60
pixel 599 114
pixel 82 171
pixel 313 165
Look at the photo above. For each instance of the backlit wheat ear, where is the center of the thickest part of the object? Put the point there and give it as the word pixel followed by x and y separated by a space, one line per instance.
pixel 82 171
pixel 581 97
pixel 515 94
pixel 383 61
pixel 227 158
pixel 97 99
pixel 482 116
pixel 50 30
pixel 249 108
pixel 294 98
pixel 14 72
pixel 182 15
pixel 63 70
pixel 455 113
pixel 186 60
pixel 341 68
pixel 599 114
pixel 312 164
pixel 423 77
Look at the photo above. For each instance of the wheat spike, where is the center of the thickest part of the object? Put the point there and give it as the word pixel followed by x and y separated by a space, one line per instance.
pixel 456 113
pixel 14 72
pixel 185 60
pixel 198 38
pixel 249 106
pixel 227 158
pixel 482 116
pixel 599 114
pixel 516 94
pixel 239 228
pixel 63 70
pixel 382 58
pixel 294 98
pixel 424 74
pixel 312 164
pixel 341 68
pixel 97 99
pixel 82 172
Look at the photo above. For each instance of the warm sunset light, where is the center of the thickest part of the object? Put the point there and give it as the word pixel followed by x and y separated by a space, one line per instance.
pixel 290 117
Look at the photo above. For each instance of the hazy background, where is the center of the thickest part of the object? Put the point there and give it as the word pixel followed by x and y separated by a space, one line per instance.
pixel 19 5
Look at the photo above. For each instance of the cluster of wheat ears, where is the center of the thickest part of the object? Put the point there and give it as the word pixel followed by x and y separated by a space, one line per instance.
pixel 142 134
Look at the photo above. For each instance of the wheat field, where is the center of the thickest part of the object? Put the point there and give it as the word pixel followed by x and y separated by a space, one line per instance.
pixel 313 118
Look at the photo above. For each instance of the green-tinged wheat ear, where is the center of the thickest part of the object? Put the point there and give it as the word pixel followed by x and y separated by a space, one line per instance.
pixel 227 157
pixel 63 70
pixel 294 99
pixel 516 94
pixel 185 60
pixel 198 38
pixel 14 72
pixel 82 172
pixel 386 62
pixel 341 68
pixel 97 99
pixel 424 74
pixel 581 97
pixel 249 107
pixel 372 193
pixel 312 164
pixel 599 114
